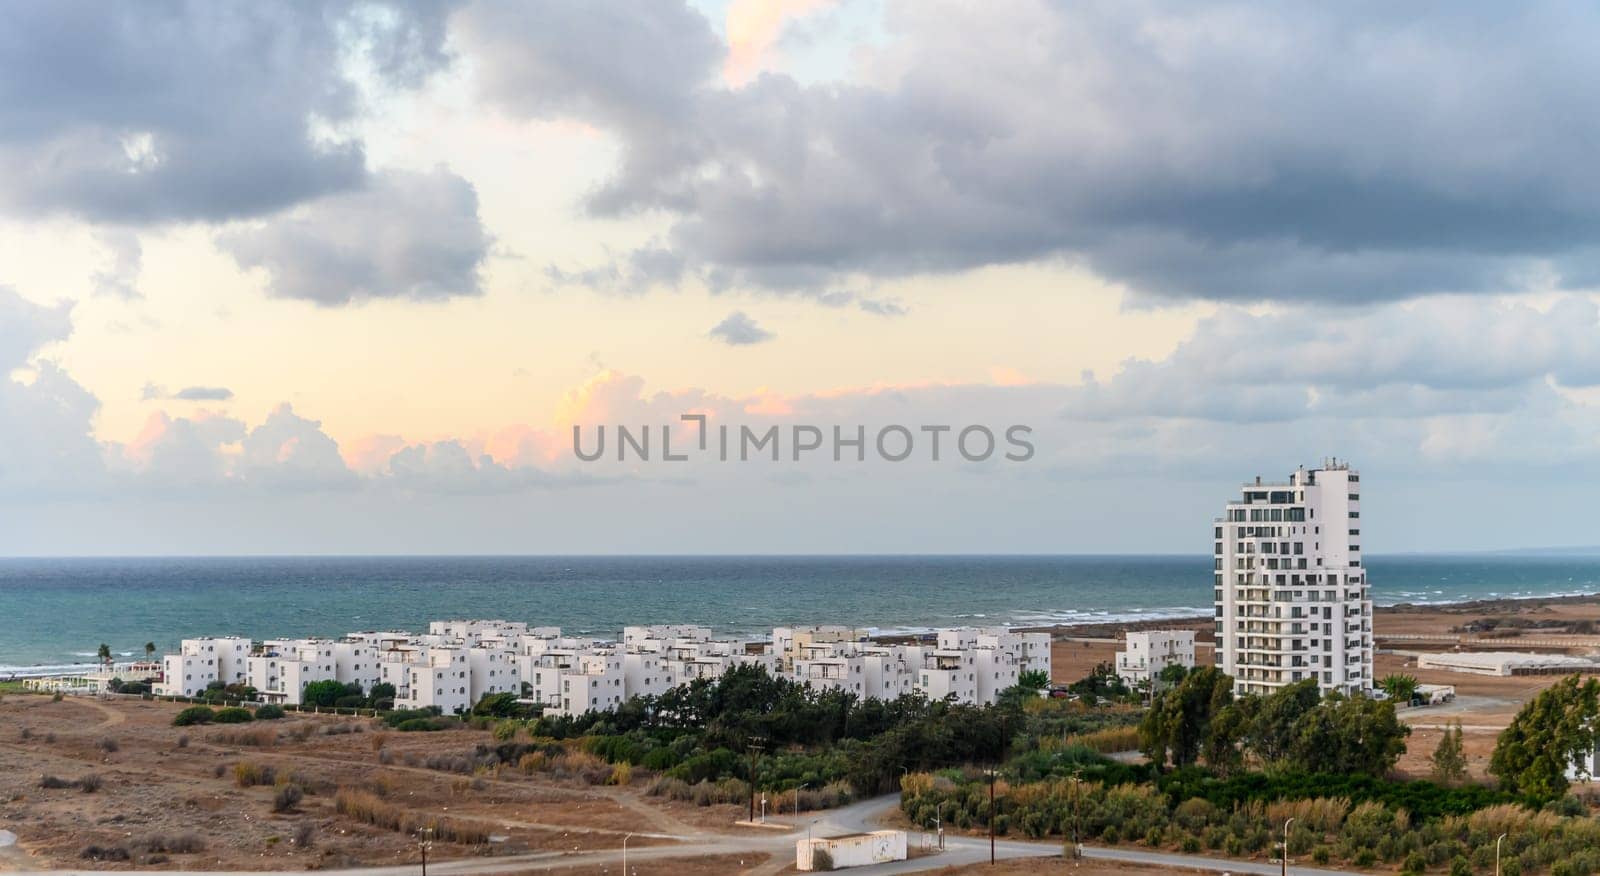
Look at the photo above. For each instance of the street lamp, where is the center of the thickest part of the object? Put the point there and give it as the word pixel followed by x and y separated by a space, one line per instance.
pixel 797 798
pixel 1497 853
pixel 763 809
pixel 1285 859
pixel 808 830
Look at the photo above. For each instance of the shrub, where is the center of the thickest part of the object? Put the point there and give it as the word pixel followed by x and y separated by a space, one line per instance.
pixel 368 808
pixel 269 713
pixel 305 834
pixel 821 859
pixel 107 744
pixel 54 782
pixel 104 853
pixel 233 715
pixel 183 741
pixel 247 774
pixel 287 797
pixel 90 783
pixel 194 715
pixel 182 844
pixel 256 737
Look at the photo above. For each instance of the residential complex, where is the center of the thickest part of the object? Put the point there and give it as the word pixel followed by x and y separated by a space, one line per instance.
pixel 1146 653
pixel 457 663
pixel 1291 597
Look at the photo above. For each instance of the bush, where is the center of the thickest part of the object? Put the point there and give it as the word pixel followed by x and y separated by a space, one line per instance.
pixel 108 744
pixel 256 737
pixel 233 715
pixel 269 713
pixel 194 715
pixel 105 853
pixel 368 808
pixel 425 725
pixel 182 844
pixel 287 797
pixel 305 834
pixel 248 775
pixel 821 859
pixel 183 741
pixel 90 783
pixel 54 782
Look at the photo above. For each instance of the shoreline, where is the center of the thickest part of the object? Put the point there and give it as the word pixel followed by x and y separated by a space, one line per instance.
pixel 1110 627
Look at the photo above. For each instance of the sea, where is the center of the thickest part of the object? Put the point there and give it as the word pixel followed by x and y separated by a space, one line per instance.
pixel 55 613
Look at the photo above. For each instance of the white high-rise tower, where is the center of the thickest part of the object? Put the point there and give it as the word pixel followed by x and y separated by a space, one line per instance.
pixel 1291 596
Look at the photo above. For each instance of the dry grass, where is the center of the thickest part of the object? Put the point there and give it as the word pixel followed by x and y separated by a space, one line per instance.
pixel 1105 740
pixel 254 737
pixel 369 808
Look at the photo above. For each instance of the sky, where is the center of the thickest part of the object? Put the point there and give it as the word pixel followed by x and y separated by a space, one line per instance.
pixel 345 278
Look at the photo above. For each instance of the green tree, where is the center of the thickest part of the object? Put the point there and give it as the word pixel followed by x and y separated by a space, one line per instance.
pixel 327 693
pixel 149 650
pixel 1449 760
pixel 1398 686
pixel 104 653
pixel 1553 731
pixel 382 695
pixel 1178 723
pixel 1270 733
pixel 1349 734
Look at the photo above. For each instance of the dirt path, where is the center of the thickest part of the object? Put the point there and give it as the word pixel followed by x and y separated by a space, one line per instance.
pixel 113 717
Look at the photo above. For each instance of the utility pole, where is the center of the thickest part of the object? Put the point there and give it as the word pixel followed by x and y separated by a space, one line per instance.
pixel 991 817
pixel 754 747
pixel 1285 859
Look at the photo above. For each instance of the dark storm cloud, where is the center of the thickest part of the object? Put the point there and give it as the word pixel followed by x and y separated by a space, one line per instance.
pixel 175 110
pixel 1328 152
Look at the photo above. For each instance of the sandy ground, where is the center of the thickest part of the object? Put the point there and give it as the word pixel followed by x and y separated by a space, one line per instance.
pixel 154 787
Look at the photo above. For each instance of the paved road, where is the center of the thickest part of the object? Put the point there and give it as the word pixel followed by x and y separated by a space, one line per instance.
pixel 758 842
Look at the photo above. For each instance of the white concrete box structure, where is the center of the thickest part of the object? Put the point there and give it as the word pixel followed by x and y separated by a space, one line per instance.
pixel 1291 596
pixel 851 850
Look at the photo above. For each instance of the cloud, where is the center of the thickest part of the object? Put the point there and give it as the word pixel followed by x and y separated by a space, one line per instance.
pixel 152 392
pixel 46 417
pixel 1198 150
pixel 189 111
pixel 1432 356
pixel 407 235
pixel 753 27
pixel 203 393
pixel 738 330
pixel 120 278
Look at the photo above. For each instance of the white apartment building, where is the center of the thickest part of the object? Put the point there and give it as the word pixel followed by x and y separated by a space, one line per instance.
pixel 1146 653
pixel 199 662
pixel 437 677
pixel 1291 597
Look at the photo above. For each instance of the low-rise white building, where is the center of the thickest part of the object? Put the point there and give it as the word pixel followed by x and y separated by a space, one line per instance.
pixel 456 663
pixel 1146 653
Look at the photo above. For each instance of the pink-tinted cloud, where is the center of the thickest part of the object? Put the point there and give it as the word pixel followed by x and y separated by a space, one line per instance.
pixel 753 28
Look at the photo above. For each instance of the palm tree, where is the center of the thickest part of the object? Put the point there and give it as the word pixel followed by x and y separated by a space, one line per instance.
pixel 149 650
pixel 105 653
